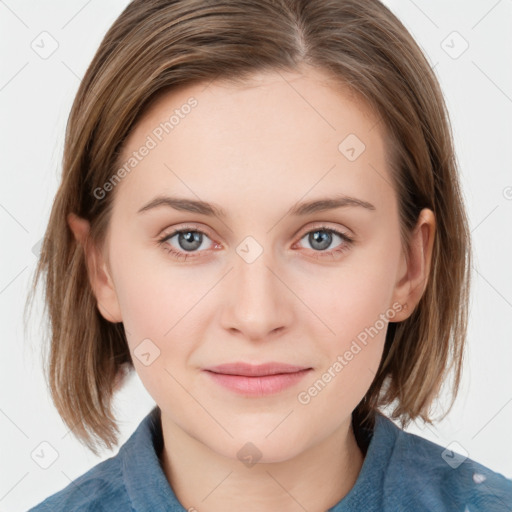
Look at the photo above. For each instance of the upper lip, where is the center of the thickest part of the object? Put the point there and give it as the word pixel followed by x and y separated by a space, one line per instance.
pixel 255 370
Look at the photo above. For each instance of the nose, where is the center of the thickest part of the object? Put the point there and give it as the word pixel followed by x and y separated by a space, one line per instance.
pixel 259 303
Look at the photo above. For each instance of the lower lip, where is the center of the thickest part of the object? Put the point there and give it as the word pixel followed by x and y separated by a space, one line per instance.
pixel 258 386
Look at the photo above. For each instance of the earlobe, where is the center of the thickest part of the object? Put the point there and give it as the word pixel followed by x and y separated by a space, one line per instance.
pixel 99 275
pixel 413 283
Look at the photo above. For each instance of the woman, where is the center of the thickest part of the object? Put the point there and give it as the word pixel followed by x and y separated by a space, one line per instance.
pixel 260 213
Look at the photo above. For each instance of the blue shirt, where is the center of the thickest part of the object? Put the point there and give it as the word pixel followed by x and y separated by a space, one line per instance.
pixel 401 472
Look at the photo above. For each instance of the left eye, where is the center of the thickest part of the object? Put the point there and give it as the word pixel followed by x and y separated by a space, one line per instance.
pixel 321 238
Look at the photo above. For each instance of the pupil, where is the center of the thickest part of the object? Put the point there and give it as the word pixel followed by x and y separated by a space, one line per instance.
pixel 190 240
pixel 324 238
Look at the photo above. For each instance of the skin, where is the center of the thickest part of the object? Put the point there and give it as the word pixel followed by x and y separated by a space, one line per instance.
pixel 256 150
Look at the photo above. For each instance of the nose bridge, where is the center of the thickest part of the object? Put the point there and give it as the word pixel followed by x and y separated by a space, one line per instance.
pixel 258 301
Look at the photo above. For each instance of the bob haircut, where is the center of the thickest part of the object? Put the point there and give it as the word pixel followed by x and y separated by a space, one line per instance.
pixel 154 47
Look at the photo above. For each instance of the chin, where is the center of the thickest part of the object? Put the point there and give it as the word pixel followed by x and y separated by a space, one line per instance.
pixel 253 445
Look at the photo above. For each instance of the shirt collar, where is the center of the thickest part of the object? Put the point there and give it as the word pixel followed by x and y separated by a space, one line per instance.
pixel 368 491
pixel 145 480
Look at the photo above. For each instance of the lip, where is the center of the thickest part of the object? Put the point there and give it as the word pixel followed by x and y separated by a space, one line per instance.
pixel 256 380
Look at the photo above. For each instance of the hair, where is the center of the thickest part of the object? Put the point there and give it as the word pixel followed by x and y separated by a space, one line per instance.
pixel 154 47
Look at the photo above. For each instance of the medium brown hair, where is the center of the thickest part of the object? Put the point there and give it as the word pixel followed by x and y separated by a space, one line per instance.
pixel 156 46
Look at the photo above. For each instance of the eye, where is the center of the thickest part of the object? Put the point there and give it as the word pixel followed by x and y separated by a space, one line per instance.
pixel 187 241
pixel 321 238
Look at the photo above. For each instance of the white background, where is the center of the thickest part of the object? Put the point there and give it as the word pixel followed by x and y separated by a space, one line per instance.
pixel 35 98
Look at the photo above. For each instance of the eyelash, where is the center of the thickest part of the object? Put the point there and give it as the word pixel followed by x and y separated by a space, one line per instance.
pixel 347 242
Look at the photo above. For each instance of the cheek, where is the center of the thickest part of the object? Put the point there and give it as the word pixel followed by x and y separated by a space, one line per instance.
pixel 353 298
pixel 355 305
pixel 163 315
pixel 358 315
pixel 146 311
pixel 153 293
pixel 154 304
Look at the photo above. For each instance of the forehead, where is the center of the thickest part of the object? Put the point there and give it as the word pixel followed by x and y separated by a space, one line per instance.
pixel 279 134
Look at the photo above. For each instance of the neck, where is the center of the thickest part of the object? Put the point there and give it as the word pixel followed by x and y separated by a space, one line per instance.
pixel 314 480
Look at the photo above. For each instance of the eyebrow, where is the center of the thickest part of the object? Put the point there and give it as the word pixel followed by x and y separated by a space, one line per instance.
pixel 211 209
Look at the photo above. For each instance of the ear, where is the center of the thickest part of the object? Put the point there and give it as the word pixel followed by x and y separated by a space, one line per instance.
pixel 415 266
pixel 98 271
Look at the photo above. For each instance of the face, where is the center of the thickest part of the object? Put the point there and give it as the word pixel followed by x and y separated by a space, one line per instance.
pixel 258 277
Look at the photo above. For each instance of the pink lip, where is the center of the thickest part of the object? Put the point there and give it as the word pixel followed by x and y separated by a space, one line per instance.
pixel 256 380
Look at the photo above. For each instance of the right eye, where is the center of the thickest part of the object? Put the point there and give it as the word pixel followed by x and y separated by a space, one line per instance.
pixel 187 241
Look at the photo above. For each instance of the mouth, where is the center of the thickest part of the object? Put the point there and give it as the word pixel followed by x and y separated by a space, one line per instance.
pixel 257 380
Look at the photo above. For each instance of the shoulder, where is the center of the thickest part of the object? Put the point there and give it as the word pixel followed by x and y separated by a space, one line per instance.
pixel 429 476
pixel 121 482
pixel 100 488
